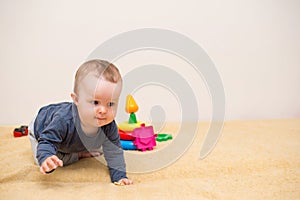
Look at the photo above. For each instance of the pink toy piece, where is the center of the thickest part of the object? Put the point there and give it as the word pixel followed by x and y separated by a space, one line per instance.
pixel 144 137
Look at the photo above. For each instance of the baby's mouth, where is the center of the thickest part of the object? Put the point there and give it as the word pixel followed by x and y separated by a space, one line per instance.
pixel 101 118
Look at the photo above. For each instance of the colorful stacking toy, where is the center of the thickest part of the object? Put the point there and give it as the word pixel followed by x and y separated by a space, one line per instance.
pixel 136 135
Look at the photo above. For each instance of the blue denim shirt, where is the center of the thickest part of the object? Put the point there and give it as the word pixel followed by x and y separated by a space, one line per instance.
pixel 58 131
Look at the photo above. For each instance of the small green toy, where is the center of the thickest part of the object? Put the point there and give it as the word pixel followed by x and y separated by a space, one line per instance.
pixel 163 137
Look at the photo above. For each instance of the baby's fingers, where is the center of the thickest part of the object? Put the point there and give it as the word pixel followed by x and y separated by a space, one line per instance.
pixel 50 164
pixel 57 161
pixel 127 181
pixel 45 168
pixel 124 181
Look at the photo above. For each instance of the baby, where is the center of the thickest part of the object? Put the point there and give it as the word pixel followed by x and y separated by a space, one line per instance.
pixel 63 133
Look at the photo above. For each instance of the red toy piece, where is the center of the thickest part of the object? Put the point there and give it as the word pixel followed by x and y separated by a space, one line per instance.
pixel 126 135
pixel 144 138
pixel 21 131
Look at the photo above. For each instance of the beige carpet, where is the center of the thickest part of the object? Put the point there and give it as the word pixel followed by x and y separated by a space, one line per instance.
pixel 252 160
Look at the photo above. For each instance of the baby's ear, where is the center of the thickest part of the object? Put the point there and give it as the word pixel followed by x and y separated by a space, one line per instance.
pixel 74 98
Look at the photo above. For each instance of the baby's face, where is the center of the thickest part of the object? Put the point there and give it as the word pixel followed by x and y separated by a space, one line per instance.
pixel 97 101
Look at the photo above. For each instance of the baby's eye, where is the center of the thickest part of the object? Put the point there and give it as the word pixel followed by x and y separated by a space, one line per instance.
pixel 95 102
pixel 110 104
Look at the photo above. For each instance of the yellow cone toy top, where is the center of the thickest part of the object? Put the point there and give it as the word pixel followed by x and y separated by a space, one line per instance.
pixel 131 106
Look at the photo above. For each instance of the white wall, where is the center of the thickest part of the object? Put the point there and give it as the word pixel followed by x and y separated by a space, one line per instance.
pixel 254 44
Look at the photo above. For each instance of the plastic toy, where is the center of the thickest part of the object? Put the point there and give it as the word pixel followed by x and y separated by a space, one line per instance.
pixel 21 131
pixel 144 138
pixel 126 135
pixel 163 137
pixel 125 126
pixel 127 145
pixel 137 135
pixel 131 107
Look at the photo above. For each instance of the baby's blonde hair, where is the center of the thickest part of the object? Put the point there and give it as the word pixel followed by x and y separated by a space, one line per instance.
pixel 100 68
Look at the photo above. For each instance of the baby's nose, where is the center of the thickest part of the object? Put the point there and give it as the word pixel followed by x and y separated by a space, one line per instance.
pixel 101 109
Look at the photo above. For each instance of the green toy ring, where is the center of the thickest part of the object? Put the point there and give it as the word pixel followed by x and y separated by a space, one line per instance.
pixel 163 137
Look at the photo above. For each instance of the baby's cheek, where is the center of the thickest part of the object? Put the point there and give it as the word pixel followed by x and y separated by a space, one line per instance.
pixel 114 111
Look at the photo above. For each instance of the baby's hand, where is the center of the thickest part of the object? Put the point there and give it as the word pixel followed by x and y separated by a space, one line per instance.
pixel 50 164
pixel 124 181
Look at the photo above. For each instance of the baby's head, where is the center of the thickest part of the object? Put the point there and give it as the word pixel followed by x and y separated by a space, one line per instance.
pixel 97 88
pixel 100 69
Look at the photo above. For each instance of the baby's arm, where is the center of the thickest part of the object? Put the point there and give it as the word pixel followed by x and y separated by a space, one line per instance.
pixel 50 164
pixel 114 157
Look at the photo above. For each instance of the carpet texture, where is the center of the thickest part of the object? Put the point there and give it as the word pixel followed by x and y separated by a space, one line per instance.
pixel 252 160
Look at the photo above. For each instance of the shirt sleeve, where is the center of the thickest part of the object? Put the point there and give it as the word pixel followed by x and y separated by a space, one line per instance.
pixel 49 139
pixel 113 154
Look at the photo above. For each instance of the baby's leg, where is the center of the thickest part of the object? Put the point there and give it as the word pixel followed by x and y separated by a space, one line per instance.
pixel 67 158
pixel 88 154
